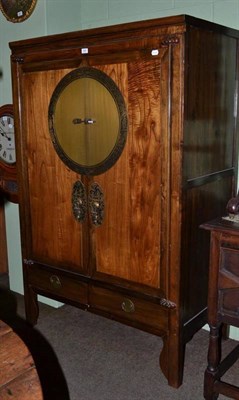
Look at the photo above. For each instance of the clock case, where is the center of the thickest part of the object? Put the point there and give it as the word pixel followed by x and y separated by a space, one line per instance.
pixel 146 265
pixel 8 172
pixel 17 11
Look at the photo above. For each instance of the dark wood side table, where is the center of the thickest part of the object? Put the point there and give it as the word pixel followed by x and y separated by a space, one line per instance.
pixel 223 304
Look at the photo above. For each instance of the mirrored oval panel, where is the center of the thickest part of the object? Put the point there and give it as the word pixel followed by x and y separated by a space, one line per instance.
pixel 88 121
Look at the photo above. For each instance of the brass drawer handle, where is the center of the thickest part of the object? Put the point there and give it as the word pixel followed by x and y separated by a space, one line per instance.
pixel 128 306
pixel 55 282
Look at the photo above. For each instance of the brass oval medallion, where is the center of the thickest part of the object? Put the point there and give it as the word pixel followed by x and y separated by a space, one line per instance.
pixel 88 121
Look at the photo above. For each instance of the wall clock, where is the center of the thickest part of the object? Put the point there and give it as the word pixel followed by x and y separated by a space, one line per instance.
pixel 8 175
pixel 88 121
pixel 17 10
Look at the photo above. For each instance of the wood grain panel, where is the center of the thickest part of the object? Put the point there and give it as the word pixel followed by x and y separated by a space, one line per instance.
pixel 56 236
pixel 12 352
pixel 18 376
pixel 24 387
pixel 130 233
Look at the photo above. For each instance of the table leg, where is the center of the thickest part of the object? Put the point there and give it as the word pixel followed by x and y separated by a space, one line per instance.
pixel 214 357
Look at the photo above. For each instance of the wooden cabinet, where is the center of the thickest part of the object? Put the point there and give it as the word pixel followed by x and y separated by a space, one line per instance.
pixel 122 238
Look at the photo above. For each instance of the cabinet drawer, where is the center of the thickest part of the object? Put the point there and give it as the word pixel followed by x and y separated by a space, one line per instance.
pixel 129 308
pixel 57 283
pixel 229 261
pixel 228 291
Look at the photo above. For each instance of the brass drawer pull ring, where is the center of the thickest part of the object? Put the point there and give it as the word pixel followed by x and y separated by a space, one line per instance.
pixel 55 281
pixel 128 306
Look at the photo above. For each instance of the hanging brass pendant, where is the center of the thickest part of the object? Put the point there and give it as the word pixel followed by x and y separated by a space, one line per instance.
pixel 79 201
pixel 96 204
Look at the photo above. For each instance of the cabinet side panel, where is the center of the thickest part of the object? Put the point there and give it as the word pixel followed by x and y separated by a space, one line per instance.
pixel 209 163
pixel 203 204
pixel 209 107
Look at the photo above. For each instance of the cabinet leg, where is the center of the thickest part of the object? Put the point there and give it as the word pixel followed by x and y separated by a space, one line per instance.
pixel 172 360
pixel 31 306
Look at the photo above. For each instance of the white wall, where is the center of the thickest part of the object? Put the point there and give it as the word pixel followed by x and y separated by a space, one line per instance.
pixel 57 16
pixel 105 12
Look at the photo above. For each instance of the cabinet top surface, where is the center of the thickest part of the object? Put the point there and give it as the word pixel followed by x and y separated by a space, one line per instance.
pixel 222 225
pixel 173 24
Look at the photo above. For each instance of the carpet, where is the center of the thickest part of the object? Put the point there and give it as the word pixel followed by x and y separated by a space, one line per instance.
pixel 82 356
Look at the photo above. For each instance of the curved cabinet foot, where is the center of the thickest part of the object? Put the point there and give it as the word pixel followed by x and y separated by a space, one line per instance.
pixel 171 360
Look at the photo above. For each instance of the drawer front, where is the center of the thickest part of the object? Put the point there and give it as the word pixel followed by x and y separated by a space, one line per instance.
pixel 228 284
pixel 57 284
pixel 229 261
pixel 129 308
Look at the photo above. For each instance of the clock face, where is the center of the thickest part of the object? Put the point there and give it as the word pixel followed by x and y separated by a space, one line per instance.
pixel 7 139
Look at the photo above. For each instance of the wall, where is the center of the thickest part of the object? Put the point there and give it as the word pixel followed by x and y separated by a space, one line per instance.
pixel 105 12
pixel 56 16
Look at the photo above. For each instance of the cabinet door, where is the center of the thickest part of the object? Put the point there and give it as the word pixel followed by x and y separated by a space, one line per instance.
pixel 131 242
pixel 53 236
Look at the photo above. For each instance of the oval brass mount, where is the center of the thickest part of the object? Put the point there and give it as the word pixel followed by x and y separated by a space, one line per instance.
pixel 128 306
pixel 91 143
pixel 55 281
